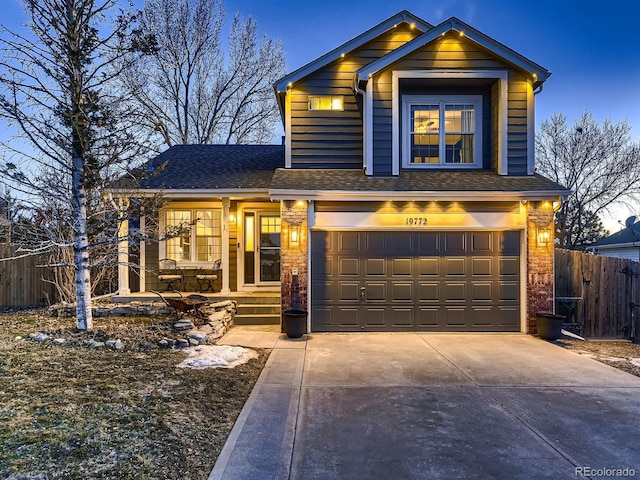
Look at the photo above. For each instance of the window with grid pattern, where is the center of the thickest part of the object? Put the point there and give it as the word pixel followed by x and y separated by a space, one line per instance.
pixel 193 235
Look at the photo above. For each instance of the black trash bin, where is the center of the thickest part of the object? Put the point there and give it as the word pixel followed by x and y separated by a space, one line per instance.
pixel 549 325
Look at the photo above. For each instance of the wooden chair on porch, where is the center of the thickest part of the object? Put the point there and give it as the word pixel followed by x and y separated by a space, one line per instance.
pixel 170 273
pixel 208 276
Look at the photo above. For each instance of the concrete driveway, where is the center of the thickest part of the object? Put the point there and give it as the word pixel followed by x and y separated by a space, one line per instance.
pixel 416 406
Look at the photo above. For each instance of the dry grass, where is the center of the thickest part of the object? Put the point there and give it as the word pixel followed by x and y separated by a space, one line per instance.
pixel 620 354
pixel 74 412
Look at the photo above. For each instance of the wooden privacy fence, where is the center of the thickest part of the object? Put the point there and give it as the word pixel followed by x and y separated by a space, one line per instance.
pixel 21 280
pixel 609 288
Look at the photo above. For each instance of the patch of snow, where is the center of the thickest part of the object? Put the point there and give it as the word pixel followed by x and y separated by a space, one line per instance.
pixel 216 356
pixel 635 361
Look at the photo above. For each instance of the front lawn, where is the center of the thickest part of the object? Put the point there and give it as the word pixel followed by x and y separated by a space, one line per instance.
pixel 71 411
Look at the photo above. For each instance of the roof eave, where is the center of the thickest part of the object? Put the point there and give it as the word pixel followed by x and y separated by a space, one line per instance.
pixel 537 72
pixel 401 17
pixel 463 196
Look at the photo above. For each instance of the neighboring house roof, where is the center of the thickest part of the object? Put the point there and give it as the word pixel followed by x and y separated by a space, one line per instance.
pixel 214 167
pixel 354 43
pixel 625 237
pixel 454 24
pixel 438 183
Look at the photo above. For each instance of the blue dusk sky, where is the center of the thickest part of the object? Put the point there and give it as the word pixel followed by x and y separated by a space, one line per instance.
pixel 592 48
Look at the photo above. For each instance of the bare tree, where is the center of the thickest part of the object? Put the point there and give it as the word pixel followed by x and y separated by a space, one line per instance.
pixel 190 91
pixel 57 91
pixel 598 162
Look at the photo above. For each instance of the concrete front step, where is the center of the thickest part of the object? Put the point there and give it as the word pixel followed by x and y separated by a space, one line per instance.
pixel 259 309
pixel 257 319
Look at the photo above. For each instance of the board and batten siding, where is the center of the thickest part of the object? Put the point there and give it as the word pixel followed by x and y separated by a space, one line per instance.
pixel 333 139
pixel 452 53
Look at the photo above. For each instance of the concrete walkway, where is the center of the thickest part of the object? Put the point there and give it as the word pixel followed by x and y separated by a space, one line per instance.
pixel 418 406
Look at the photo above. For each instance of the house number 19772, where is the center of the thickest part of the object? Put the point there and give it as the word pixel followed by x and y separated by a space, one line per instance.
pixel 416 221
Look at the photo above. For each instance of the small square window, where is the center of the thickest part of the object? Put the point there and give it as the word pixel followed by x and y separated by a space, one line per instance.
pixel 326 102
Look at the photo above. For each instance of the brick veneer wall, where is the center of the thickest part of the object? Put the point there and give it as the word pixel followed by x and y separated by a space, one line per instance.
pixel 539 262
pixel 293 213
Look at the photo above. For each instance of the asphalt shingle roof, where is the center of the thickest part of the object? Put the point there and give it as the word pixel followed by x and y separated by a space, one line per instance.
pixel 214 167
pixel 410 181
pixel 626 235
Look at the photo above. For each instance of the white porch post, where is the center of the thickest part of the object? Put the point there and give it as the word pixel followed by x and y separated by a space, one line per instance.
pixel 143 253
pixel 225 247
pixel 123 247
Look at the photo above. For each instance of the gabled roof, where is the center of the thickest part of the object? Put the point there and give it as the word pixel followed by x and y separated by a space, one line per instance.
pixel 455 25
pixel 213 167
pixel 484 184
pixel 356 42
pixel 626 236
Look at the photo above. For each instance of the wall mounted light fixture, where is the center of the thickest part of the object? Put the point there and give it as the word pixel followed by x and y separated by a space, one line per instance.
pixel 294 234
pixel 544 235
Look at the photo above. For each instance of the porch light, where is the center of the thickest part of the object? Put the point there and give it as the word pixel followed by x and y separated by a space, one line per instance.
pixel 544 236
pixel 295 234
pixel 232 219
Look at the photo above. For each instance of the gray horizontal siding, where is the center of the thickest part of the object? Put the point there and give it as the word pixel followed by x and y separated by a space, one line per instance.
pixel 334 139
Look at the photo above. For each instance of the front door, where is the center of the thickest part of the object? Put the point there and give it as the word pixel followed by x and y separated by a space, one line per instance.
pixel 261 244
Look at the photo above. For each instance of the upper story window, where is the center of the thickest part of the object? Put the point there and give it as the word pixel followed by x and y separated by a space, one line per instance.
pixel 326 102
pixel 193 235
pixel 442 132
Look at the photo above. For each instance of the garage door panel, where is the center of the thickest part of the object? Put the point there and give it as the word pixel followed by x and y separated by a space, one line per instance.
pixel 430 281
pixel 375 242
pixel 455 243
pixel 376 291
pixel 482 316
pixel 402 317
pixel 346 317
pixel 509 291
pixel 481 291
pixel 455 266
pixel 429 243
pixel 509 266
pixel 402 267
pixel 348 266
pixel 429 292
pixel 428 267
pixel 481 242
pixel 375 317
pixel 402 243
pixel 429 318
pixel 375 267
pixel 349 291
pixel 323 291
pixel 322 266
pixel 455 316
pixel 482 266
pixel 402 292
pixel 508 318
pixel 348 242
pixel 455 291
pixel 509 243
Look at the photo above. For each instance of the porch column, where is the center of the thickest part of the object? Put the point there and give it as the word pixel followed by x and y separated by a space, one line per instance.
pixel 122 204
pixel 143 253
pixel 225 247
pixel 540 270
pixel 294 252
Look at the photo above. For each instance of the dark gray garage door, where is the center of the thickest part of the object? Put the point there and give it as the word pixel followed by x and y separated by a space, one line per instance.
pixel 402 281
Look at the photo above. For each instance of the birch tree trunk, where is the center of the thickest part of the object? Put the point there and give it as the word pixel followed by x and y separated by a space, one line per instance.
pixel 84 317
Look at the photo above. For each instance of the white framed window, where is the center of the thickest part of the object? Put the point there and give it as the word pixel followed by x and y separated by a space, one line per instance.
pixel 326 102
pixel 441 131
pixel 193 235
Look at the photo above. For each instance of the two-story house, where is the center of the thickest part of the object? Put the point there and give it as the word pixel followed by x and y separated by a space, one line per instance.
pixel 404 196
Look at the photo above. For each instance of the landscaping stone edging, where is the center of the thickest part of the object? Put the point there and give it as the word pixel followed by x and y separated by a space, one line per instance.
pixel 219 319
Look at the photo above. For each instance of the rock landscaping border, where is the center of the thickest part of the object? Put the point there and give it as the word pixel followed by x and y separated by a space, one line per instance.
pixel 181 333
